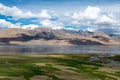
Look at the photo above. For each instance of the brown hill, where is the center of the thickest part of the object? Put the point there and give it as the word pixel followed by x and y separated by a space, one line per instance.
pixel 46 36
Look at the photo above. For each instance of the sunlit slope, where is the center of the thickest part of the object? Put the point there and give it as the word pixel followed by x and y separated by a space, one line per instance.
pixel 55 37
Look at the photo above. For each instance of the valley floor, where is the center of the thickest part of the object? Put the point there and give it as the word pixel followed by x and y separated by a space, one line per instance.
pixel 59 67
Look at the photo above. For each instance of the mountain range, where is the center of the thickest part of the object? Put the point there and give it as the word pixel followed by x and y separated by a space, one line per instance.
pixel 47 36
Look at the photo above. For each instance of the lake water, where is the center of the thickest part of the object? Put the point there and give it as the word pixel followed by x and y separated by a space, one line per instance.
pixel 58 49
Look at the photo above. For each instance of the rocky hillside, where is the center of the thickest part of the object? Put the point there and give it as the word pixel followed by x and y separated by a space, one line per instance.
pixel 46 36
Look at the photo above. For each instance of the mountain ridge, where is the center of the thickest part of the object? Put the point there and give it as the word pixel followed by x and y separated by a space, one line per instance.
pixel 47 36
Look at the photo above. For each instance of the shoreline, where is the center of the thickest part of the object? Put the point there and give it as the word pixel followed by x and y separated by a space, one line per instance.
pixel 82 53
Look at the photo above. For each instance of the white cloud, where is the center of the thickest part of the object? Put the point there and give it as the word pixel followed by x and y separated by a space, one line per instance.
pixel 46 23
pixel 91 12
pixel 16 13
pixel 30 26
pixel 51 24
pixel 91 18
pixel 6 24
pixel 67 14
pixel 44 14
pixel 90 29
pixel 105 19
pixel 88 13
pixel 92 15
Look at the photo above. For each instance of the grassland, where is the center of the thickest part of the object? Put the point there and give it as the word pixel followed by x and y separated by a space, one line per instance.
pixel 59 67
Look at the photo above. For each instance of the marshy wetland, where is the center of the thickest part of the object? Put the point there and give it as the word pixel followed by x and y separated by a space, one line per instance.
pixel 59 67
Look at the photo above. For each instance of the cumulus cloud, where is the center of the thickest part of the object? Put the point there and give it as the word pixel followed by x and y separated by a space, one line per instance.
pixel 30 26
pixel 51 24
pixel 105 19
pixel 91 18
pixel 44 14
pixel 45 23
pixel 6 24
pixel 17 13
pixel 88 13
pixel 14 12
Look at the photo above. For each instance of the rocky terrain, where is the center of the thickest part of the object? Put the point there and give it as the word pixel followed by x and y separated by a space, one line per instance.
pixel 46 36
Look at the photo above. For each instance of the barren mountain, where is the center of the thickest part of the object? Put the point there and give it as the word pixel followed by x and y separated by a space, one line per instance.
pixel 46 36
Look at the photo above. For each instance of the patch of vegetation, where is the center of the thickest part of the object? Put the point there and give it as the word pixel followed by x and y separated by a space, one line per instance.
pixel 116 58
pixel 117 73
pixel 52 77
pixel 5 79
pixel 76 63
pixel 92 73
pixel 25 66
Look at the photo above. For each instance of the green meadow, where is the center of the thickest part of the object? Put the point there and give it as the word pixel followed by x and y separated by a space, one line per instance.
pixel 59 67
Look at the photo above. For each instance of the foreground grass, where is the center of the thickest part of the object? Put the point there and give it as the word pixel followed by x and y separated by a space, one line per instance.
pixel 59 67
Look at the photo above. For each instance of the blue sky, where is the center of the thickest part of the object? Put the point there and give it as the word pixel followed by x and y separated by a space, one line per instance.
pixel 61 5
pixel 91 15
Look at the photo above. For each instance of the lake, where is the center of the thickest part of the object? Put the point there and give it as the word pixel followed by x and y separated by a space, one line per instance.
pixel 28 49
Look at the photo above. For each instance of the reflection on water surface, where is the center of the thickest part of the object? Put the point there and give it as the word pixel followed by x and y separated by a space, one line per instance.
pixel 59 49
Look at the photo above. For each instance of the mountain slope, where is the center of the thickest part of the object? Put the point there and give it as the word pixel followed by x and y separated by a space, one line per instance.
pixel 46 36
